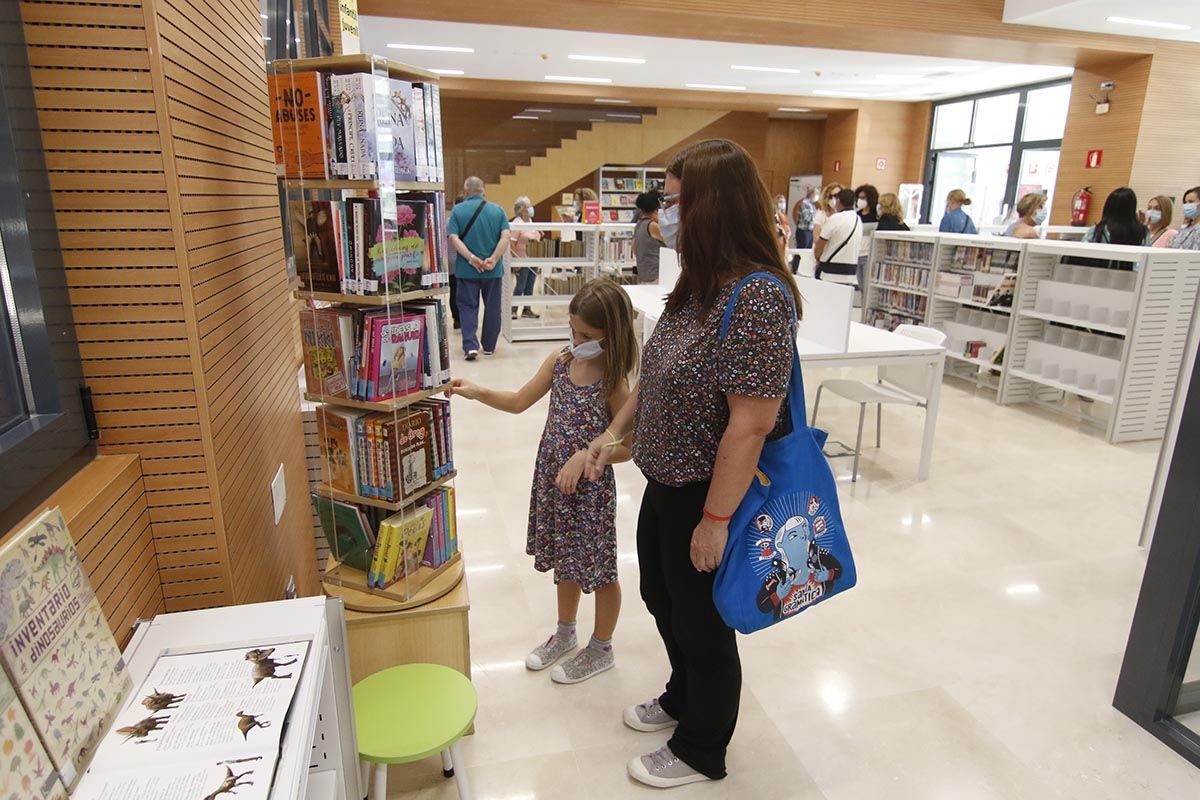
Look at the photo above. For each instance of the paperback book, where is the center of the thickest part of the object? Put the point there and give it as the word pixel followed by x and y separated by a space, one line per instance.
pixel 299 124
pixel 347 529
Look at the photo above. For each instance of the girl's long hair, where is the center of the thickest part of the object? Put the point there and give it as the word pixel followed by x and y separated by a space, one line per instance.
pixel 1120 220
pixel 603 304
pixel 726 224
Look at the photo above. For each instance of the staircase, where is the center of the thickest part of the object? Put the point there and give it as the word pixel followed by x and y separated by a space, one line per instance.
pixel 605 143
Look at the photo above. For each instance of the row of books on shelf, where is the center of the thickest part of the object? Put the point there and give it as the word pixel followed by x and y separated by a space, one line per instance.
pixel 622 185
pixel 621 215
pixel 390 547
pixel 908 251
pixel 618 250
pixel 901 301
pixel 890 320
pixel 908 277
pixel 556 248
pixel 628 200
pixel 375 354
pixel 388 455
pixel 962 285
pixel 358 126
pixel 984 259
pixel 347 247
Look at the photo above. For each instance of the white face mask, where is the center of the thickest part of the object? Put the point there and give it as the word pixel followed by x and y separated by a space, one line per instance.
pixel 879 211
pixel 587 350
pixel 781 205
pixel 1040 216
pixel 1153 216
pixel 668 225
pixel 861 204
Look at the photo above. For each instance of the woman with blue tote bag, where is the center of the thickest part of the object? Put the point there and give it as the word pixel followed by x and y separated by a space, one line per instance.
pixel 713 376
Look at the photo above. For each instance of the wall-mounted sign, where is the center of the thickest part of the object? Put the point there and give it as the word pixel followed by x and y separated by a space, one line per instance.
pixel 837 165
pixel 1094 157
pixel 348 19
pixel 881 163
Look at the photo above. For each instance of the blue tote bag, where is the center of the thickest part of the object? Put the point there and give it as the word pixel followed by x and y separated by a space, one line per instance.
pixel 787 547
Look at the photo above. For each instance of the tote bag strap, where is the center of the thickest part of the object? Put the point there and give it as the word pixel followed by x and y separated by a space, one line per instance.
pixel 795 395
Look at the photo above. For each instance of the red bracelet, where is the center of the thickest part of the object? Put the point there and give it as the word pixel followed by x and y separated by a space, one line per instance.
pixel 714 517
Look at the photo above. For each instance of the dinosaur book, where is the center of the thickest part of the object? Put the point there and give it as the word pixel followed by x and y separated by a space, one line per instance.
pixel 202 726
pixel 56 646
pixel 26 773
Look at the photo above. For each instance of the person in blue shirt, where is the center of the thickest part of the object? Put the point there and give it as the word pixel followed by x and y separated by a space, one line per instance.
pixel 956 220
pixel 478 232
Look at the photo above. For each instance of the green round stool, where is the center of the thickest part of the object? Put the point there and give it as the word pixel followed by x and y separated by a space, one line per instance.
pixel 409 713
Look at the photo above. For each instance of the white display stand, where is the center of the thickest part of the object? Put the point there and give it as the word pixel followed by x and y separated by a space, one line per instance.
pixel 557 277
pixel 319 752
pixel 620 201
pixel 827 310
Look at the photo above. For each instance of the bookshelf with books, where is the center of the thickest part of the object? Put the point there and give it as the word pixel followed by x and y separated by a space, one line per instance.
pixel 359 156
pixel 620 186
pixel 896 286
pixel 974 282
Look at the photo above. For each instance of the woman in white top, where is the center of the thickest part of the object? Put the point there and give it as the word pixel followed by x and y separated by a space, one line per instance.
pixel 1188 237
pixel 825 208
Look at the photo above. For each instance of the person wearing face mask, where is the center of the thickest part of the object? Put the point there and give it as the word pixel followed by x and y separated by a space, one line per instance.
pixel 1158 215
pixel 1031 213
pixel 647 238
pixel 804 216
pixel 867 203
pixel 572 517
pixel 526 277
pixel 838 247
pixel 668 215
pixel 1188 237
pixel 782 227
pixel 956 220
pixel 1119 222
pixel 891 214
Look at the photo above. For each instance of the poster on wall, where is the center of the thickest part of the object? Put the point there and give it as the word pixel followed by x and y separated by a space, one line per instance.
pixel 910 196
pixel 798 187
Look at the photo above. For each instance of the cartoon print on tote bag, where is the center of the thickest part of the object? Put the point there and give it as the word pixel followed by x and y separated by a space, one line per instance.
pixel 795 569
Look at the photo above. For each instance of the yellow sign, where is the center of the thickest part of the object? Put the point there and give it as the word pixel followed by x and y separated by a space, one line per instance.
pixel 348 17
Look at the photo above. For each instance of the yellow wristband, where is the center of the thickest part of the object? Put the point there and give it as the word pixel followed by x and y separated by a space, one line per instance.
pixel 616 440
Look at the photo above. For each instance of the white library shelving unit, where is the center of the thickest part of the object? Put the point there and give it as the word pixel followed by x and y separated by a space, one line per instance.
pixel 1094 331
pixel 620 186
pixel 591 250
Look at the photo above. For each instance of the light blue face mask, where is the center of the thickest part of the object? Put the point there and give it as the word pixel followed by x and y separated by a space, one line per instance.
pixel 1153 216
pixel 587 350
pixel 1191 210
pixel 1040 216
pixel 668 225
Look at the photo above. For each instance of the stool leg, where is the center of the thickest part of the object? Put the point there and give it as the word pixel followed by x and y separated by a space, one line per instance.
pixel 364 774
pixel 816 405
pixel 460 773
pixel 447 764
pixel 879 424
pixel 862 412
pixel 379 785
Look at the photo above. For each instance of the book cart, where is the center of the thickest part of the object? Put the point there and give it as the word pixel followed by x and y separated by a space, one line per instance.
pixel 1100 332
pixel 389 489
pixel 569 255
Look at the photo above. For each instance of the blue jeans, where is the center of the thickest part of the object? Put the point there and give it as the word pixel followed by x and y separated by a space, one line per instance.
pixel 525 279
pixel 468 293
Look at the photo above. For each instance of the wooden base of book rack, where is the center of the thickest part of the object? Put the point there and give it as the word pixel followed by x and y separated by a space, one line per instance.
pixel 351 585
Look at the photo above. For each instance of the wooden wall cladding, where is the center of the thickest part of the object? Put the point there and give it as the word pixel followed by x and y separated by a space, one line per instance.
pixel 157 138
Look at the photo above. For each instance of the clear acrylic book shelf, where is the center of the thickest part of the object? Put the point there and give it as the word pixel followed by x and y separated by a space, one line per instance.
pixel 374 331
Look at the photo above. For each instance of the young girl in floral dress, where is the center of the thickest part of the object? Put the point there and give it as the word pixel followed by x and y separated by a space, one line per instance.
pixel 572 520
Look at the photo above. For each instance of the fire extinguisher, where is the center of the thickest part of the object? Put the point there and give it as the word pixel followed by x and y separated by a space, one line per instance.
pixel 1080 203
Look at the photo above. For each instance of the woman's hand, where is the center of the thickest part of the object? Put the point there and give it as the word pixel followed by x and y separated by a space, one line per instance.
pixel 708 544
pixel 463 388
pixel 597 456
pixel 571 472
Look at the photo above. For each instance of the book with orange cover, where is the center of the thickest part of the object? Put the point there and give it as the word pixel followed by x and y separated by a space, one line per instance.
pixel 298 124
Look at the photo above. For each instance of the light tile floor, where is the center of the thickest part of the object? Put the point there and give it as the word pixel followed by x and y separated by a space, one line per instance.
pixel 976 660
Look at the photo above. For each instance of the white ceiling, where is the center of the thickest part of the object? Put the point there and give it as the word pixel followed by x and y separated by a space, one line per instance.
pixel 529 54
pixel 1092 16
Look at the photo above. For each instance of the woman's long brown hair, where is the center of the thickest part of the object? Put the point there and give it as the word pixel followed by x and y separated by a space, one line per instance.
pixel 726 224
pixel 603 304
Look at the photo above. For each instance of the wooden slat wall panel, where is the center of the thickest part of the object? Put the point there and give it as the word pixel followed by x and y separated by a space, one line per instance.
pixel 101 133
pixel 242 315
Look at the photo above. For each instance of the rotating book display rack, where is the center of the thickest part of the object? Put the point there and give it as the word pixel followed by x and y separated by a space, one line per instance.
pixel 359 159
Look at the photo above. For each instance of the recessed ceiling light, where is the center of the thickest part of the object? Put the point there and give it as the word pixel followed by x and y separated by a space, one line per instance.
pixel 523 116
pixel 437 48
pixel 794 110
pixel 1023 588
pixel 623 116
pixel 447 71
pixel 612 101
pixel 723 87
pixel 609 59
pixel 577 79
pixel 788 70
pixel 264 16
pixel 1150 23
pixel 266 38
pixel 837 93
pixel 539 111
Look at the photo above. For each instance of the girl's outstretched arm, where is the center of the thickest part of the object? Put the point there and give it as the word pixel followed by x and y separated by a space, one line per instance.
pixel 512 402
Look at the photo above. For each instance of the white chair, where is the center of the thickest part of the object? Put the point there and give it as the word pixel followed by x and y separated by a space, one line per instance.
pixel 905 385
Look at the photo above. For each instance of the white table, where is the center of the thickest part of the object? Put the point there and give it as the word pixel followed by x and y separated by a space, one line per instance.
pixel 867 347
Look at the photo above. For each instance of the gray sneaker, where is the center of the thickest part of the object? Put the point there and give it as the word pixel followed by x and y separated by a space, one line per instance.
pixel 554 648
pixel 662 769
pixel 587 662
pixel 648 717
